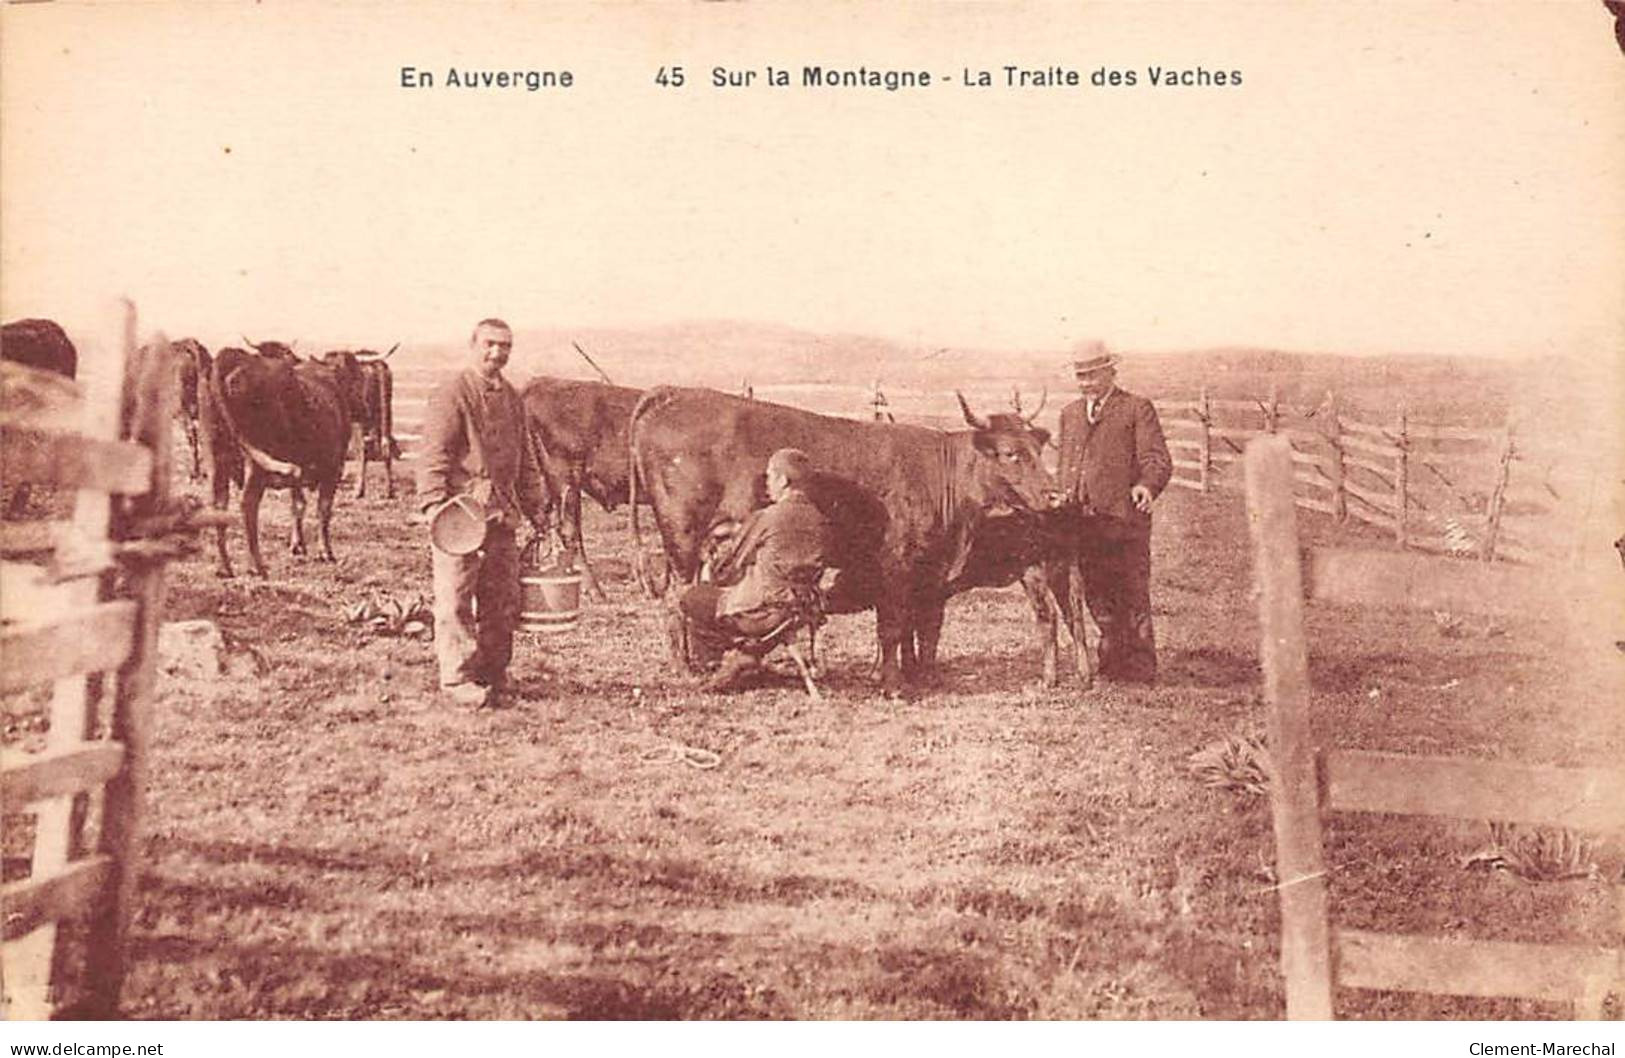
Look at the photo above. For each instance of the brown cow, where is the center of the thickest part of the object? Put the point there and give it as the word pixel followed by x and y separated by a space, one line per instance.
pixel 916 496
pixel 581 433
pixel 43 345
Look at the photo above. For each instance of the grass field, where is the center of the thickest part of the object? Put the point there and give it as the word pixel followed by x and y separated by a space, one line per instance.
pixel 327 839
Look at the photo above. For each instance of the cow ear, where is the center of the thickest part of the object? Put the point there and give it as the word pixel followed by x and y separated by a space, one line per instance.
pixel 1042 435
pixel 984 443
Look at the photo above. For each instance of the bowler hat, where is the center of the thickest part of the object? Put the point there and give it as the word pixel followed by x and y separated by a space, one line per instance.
pixel 1091 357
pixel 457 526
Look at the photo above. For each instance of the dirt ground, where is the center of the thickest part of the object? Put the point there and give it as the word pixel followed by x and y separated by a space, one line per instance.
pixel 326 838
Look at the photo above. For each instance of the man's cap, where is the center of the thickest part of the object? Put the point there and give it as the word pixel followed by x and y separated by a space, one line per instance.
pixel 1090 357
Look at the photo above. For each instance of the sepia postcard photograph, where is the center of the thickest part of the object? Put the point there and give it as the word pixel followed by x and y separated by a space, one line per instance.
pixel 840 512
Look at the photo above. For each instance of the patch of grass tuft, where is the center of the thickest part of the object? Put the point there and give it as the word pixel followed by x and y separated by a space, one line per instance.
pixel 1536 854
pixel 1235 762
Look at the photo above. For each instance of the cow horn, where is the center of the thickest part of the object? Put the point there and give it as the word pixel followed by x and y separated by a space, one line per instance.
pixel 970 416
pixel 1042 400
pixel 392 349
pixel 250 342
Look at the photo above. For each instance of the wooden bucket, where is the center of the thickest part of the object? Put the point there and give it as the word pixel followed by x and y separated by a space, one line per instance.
pixel 550 600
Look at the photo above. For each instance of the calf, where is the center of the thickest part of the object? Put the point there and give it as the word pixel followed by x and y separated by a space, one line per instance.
pixel 1039 549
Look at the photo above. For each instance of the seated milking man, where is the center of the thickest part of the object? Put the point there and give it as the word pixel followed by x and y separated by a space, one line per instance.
pixel 769 577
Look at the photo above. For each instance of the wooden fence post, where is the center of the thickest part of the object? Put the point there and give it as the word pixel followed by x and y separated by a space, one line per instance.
pixel 1401 475
pixel 1334 465
pixel 1300 869
pixel 1204 415
pixel 152 403
pixel 30 962
pixel 1503 470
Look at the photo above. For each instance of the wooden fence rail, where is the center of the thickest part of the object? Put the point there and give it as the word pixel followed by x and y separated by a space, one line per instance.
pixel 1401 477
pixel 87 783
pixel 1309 780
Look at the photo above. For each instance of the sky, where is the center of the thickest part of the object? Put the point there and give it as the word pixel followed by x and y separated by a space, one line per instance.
pixel 1408 177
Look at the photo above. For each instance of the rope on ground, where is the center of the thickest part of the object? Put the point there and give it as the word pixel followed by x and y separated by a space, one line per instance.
pixel 693 756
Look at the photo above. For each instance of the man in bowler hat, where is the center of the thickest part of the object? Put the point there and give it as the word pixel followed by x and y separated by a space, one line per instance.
pixel 1114 464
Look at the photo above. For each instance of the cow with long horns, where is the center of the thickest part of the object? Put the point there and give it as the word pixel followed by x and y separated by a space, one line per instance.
pixel 917 496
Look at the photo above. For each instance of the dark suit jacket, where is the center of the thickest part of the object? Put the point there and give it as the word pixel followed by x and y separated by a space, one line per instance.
pixel 781 551
pixel 1100 463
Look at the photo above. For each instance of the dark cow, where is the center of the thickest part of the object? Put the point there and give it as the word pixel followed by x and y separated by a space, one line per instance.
pixel 44 346
pixel 192 363
pixel 289 422
pixel 1040 550
pixel 581 432
pixel 275 351
pixel 39 344
pixel 378 418
pixel 918 495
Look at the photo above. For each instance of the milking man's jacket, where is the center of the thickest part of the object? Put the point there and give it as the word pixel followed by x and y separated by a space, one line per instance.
pixel 781 549
pixel 1101 461
pixel 475 441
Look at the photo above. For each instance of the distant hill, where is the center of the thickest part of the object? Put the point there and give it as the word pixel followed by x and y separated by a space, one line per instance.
pixel 724 355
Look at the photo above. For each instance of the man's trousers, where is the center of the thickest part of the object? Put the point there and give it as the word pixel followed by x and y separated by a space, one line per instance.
pixel 476 608
pixel 1117 584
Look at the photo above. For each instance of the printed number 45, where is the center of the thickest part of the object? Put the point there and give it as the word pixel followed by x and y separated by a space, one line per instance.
pixel 672 77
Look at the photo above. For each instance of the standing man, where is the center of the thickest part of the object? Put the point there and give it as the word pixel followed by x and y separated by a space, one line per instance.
pixel 476 445
pixel 1114 463
pixel 772 573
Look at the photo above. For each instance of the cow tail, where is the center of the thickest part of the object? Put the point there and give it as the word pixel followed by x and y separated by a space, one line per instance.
pixel 640 561
pixel 219 437
pixel 265 460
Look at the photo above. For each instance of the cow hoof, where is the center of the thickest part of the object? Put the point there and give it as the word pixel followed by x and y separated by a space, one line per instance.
pixel 298 549
pixel 225 574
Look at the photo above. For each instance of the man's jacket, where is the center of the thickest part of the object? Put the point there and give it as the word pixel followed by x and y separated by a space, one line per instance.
pixel 1100 462
pixel 781 550
pixel 475 441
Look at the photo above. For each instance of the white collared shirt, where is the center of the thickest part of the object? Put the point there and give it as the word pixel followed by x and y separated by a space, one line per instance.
pixel 1092 407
